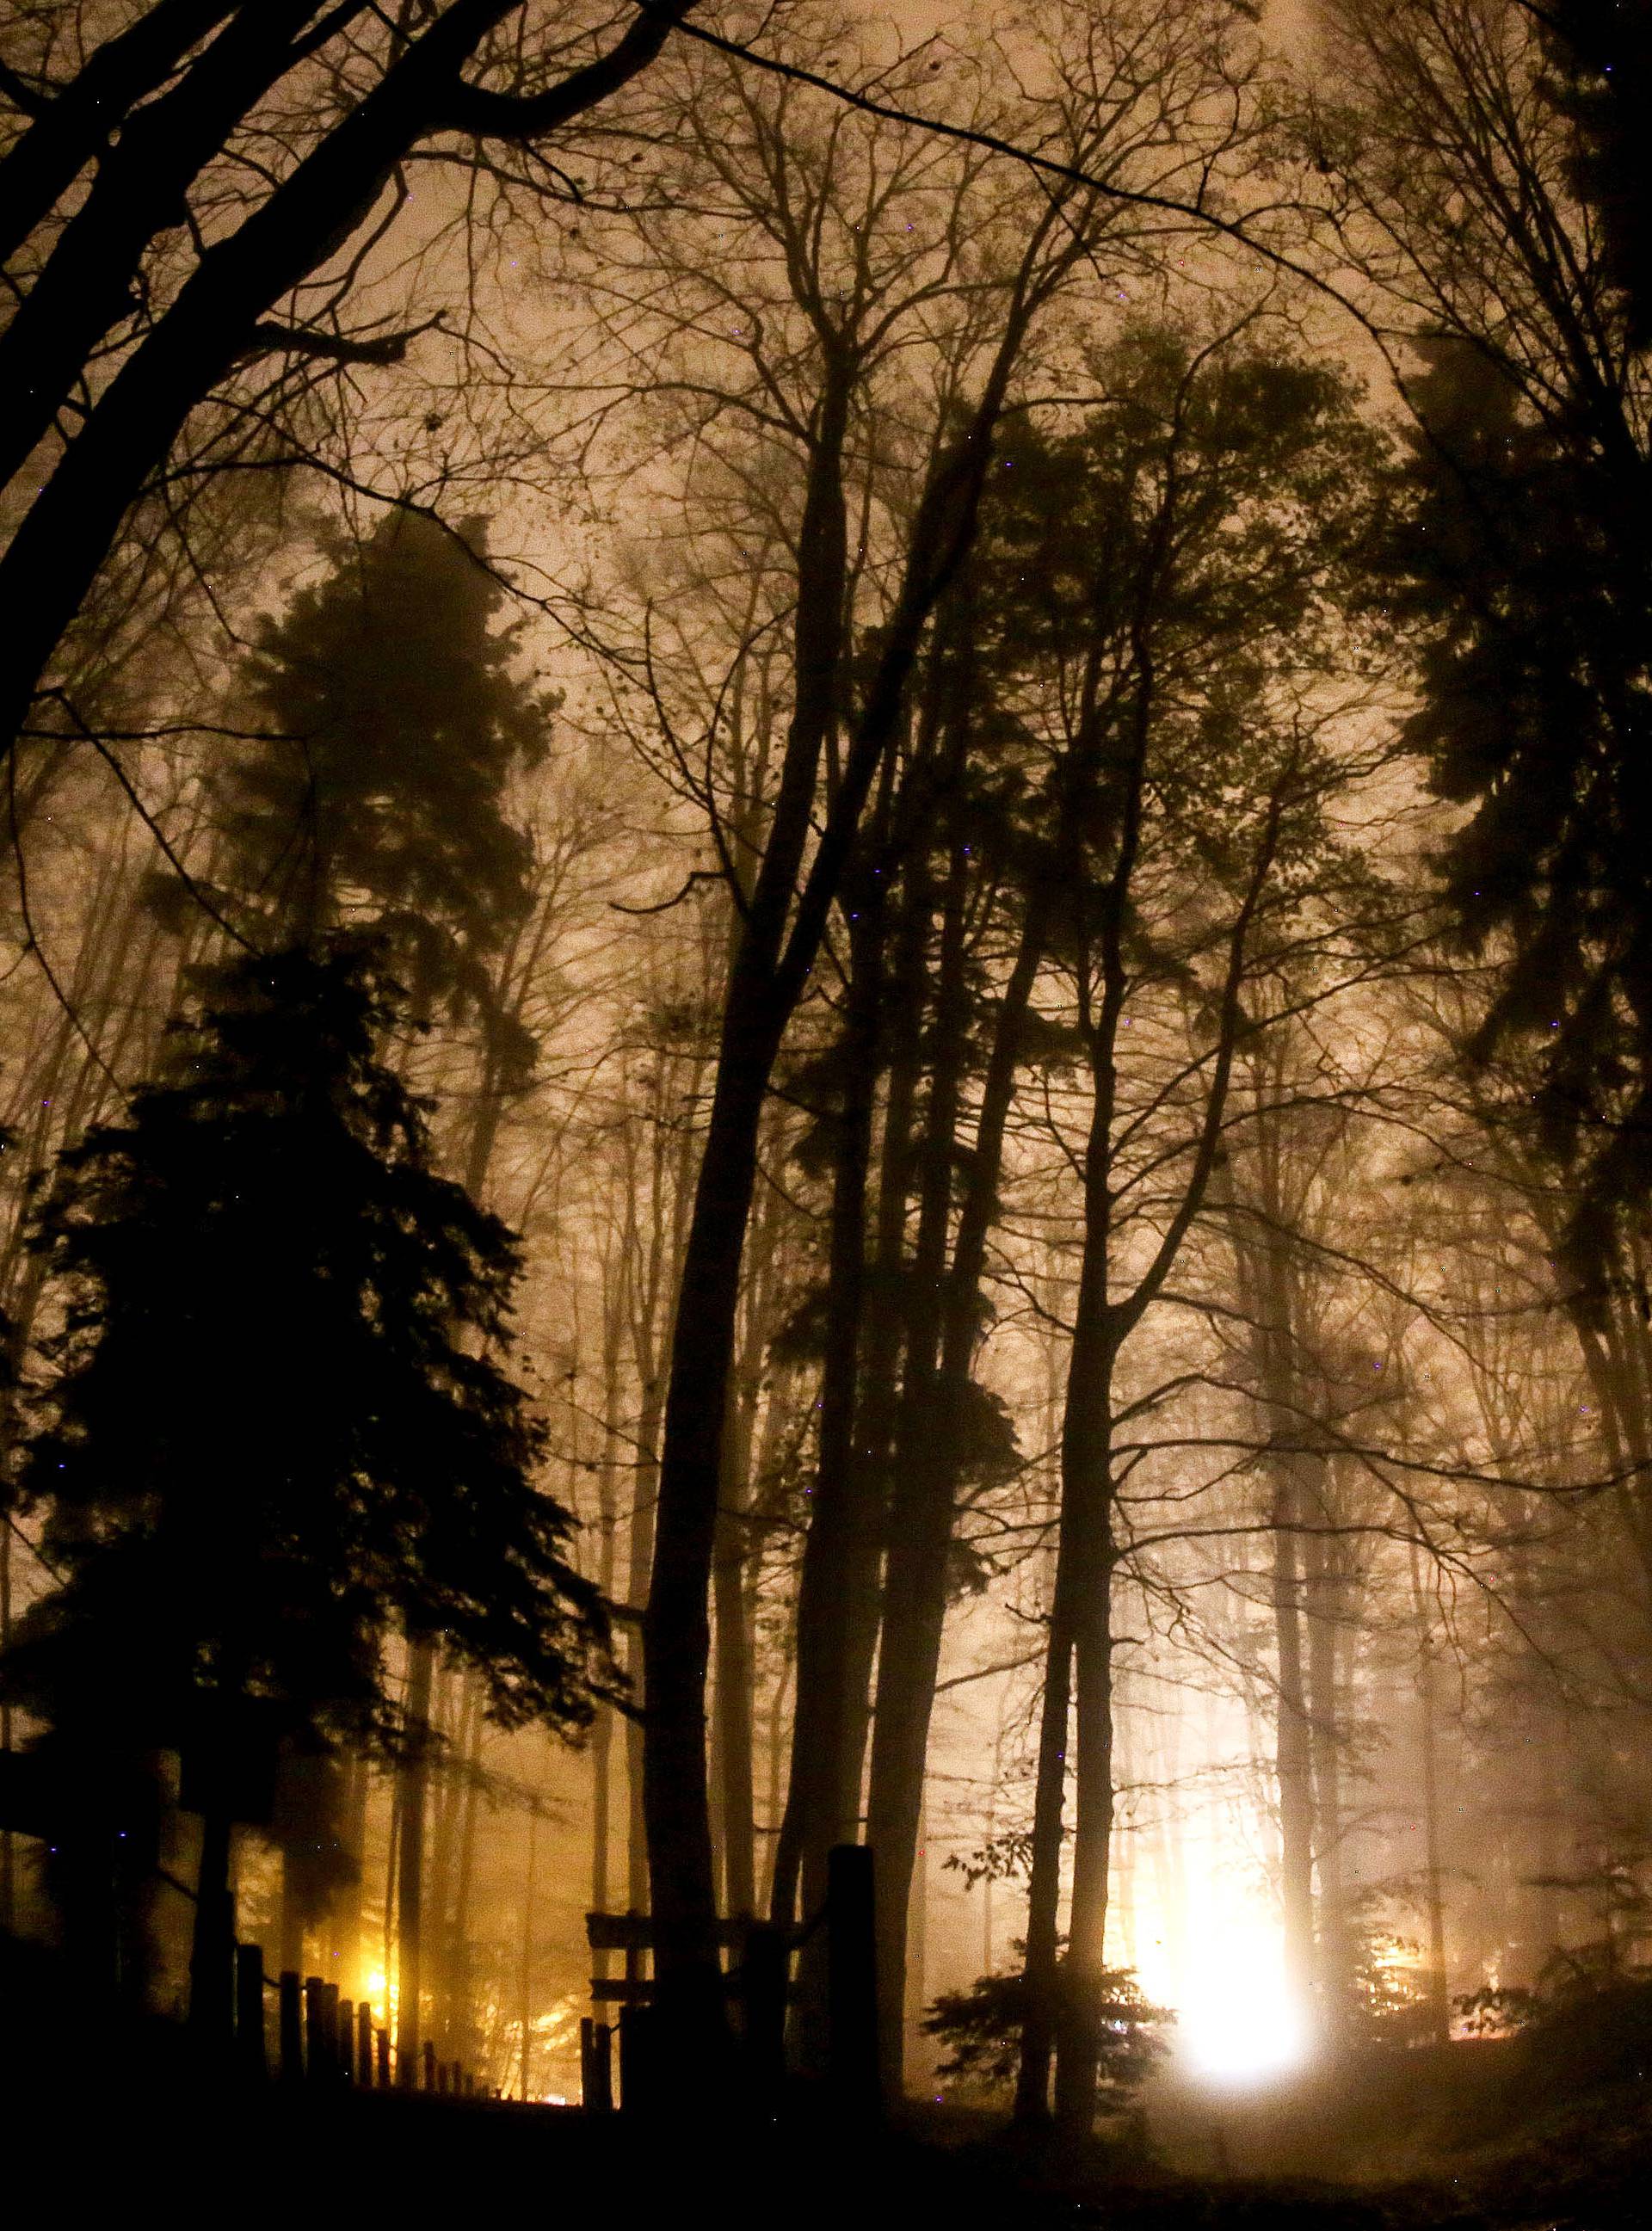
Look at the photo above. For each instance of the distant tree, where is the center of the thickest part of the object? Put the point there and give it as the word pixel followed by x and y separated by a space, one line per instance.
pixel 398 725
pixel 276 1424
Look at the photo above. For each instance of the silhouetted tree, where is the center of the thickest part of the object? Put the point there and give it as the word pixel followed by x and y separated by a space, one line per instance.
pixel 276 1424
pixel 1462 140
pixel 144 142
pixel 398 725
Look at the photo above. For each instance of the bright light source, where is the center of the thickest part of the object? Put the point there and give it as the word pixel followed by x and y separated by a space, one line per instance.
pixel 1238 2023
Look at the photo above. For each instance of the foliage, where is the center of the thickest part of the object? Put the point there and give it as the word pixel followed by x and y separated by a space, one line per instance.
pixel 278 1423
pixel 980 2027
pixel 398 724
pixel 1495 2010
pixel 1387 1984
pixel 1519 559
pixel 1600 55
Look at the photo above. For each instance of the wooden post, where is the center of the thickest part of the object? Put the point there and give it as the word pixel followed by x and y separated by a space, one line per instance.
pixel 381 2059
pixel 427 2055
pixel 763 1977
pixel 212 1940
pixel 639 2061
pixel 333 2072
pixel 250 2012
pixel 851 1983
pixel 347 2041
pixel 364 2045
pixel 290 2028
pixel 315 2039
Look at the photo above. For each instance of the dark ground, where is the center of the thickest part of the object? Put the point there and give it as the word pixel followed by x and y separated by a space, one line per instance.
pixel 1549 2133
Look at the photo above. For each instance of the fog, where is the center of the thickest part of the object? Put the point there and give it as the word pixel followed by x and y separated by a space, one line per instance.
pixel 824 1056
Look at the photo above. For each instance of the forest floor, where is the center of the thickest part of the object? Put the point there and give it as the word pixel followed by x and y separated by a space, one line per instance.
pixel 227 2157
pixel 1551 2132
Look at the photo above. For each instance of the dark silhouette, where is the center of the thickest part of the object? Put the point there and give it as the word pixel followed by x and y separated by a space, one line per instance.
pixel 280 1424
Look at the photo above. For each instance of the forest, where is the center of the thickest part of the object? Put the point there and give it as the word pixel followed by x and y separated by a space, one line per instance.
pixel 826 1022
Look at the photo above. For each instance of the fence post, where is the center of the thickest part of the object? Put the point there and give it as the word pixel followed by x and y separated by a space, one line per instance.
pixel 330 2033
pixel 638 2059
pixel 250 2052
pixel 364 2044
pixel 851 1983
pixel 427 2056
pixel 290 2028
pixel 381 2059
pixel 315 2041
pixel 211 2003
pixel 764 1973
pixel 347 2041
pixel 604 2045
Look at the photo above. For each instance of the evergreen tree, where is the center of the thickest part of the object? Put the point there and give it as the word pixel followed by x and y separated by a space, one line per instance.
pixel 277 1425
pixel 398 724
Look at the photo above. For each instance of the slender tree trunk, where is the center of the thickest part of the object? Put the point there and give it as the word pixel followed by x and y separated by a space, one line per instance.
pixel 639 1565
pixel 602 1733
pixel 1433 1872
pixel 463 1934
pixel 1043 1887
pixel 1293 1762
pixel 733 1696
pixel 526 1971
pixel 1081 1622
pixel 838 1578
pixel 1327 1609
pixel 412 1790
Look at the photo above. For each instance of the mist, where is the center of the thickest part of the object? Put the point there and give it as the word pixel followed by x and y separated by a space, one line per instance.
pixel 824 1058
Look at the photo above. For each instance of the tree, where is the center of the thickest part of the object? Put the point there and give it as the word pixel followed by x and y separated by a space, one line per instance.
pixel 278 1423
pixel 269 138
pixel 1192 632
pixel 842 723
pixel 396 725
pixel 1461 145
pixel 1600 53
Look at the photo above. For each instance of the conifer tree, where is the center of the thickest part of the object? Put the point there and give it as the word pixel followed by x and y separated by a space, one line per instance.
pixel 278 1423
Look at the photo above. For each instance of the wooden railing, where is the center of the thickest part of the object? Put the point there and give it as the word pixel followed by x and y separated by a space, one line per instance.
pixel 758 1986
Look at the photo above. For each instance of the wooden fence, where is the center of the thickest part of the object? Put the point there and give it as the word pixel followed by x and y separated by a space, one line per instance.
pixel 758 1984
pixel 326 2043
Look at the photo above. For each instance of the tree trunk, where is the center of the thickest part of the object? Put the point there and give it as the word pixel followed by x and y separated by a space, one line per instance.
pixel 526 1971
pixel 732 1698
pixel 602 1733
pixel 837 1585
pixel 1439 1990
pixel 1293 1762
pixel 412 1790
pixel 1328 1612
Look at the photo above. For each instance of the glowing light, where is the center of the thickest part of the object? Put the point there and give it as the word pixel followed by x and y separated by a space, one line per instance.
pixel 1219 1961
pixel 1238 2022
